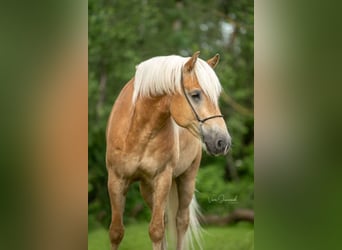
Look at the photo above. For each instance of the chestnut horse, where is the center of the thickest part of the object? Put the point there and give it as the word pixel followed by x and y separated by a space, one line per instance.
pixel 154 135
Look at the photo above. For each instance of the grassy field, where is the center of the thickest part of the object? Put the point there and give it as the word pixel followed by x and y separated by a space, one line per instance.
pixel 238 237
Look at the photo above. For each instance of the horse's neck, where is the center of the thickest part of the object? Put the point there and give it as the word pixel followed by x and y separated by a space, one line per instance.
pixel 150 117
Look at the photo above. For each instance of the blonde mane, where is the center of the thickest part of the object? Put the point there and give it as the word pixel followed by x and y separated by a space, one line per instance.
pixel 162 76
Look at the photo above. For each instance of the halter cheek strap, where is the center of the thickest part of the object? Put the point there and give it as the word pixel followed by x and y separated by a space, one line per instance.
pixel 201 121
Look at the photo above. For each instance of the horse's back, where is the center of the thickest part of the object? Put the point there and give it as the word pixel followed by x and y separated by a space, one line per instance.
pixel 117 126
pixel 121 108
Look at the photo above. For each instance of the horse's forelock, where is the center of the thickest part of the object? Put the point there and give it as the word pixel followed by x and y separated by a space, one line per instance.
pixel 208 80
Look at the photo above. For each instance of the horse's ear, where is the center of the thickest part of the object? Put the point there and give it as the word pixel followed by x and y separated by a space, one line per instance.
pixel 214 61
pixel 189 65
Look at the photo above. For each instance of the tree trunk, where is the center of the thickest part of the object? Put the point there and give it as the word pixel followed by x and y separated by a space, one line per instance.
pixel 234 217
pixel 231 173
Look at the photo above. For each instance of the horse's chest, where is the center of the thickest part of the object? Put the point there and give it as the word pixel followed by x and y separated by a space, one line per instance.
pixel 189 150
pixel 177 150
pixel 158 155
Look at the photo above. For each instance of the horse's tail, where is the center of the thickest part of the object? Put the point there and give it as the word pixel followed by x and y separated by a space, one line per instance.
pixel 193 235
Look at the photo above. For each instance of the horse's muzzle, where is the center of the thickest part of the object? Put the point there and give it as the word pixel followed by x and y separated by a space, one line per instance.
pixel 216 143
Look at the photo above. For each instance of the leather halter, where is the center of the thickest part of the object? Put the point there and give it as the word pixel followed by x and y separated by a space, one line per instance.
pixel 201 121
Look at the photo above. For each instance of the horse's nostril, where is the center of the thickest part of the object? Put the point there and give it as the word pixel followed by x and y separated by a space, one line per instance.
pixel 220 144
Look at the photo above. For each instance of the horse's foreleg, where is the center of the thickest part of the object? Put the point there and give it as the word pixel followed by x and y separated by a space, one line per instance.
pixel 186 188
pixel 185 192
pixel 146 191
pixel 117 189
pixel 161 188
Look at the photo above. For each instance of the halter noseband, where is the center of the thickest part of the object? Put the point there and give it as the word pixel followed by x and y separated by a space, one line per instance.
pixel 201 121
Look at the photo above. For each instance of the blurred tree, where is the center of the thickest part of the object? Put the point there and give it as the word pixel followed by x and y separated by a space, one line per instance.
pixel 124 33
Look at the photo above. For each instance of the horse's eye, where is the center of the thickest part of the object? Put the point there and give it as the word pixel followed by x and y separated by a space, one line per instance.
pixel 196 95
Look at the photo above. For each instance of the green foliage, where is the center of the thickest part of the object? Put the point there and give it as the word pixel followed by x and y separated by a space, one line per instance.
pixel 124 33
pixel 217 196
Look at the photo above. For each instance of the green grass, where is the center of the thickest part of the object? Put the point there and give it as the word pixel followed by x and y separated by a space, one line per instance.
pixel 238 237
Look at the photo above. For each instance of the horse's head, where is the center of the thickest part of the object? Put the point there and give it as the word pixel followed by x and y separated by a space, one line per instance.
pixel 196 107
